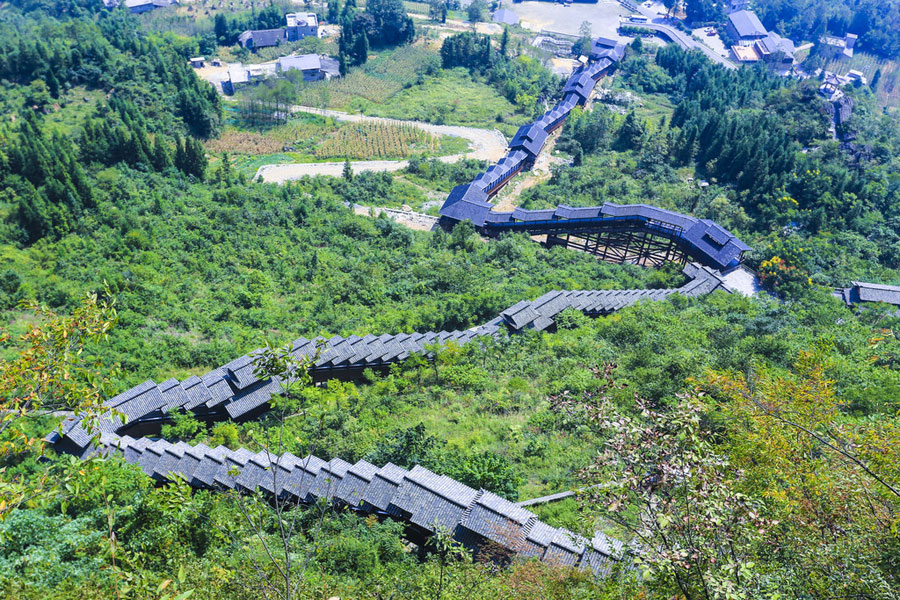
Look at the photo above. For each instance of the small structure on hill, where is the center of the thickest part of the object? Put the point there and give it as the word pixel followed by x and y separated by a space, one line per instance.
pixel 860 291
pixel 736 5
pixel 198 62
pixel 845 44
pixel 142 6
pixel 831 86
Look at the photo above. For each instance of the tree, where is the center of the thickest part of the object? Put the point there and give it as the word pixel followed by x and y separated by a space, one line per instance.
pixel 631 133
pixel 504 41
pixel 637 45
pixel 54 369
pixel 436 10
pixel 831 481
pixel 190 157
pixel 671 6
pixel 361 48
pixel 390 26
pixel 660 477
pixel 334 11
pixel 476 11
pixel 347 173
pixel 585 29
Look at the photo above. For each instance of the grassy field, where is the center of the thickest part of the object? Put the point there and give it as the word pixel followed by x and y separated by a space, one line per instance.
pixel 449 98
pixel 69 110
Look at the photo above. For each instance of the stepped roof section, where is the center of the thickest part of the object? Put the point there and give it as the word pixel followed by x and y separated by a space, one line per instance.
pixel 420 497
pixel 607 48
pixel 530 138
pixel 236 392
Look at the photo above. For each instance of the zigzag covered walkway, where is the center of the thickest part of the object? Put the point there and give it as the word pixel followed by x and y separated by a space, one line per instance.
pixel 419 497
pixel 633 233
pixel 425 501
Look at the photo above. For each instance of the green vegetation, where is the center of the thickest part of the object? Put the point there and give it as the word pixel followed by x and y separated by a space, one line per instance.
pixel 874 22
pixel 743 134
pixel 748 446
pixel 311 138
pixel 451 98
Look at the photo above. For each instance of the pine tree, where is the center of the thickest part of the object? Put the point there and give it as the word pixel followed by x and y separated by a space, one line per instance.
pixel 161 158
pixel 334 11
pixel 194 158
pixel 180 159
pixel 504 41
pixel 348 170
pixel 361 49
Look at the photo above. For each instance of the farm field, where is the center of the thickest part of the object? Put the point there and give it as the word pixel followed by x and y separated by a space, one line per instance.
pixel 408 84
pixel 384 75
pixel 310 138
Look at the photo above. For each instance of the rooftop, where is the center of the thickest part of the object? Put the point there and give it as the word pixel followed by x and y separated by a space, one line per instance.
pixel 747 24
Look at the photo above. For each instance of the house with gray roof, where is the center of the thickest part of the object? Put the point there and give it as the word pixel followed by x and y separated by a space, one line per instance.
pixel 745 27
pixel 310 65
pixel 775 50
pixel 262 38
pixel 142 6
pixel 861 292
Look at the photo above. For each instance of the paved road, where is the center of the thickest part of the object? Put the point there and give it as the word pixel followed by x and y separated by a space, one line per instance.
pixel 679 37
pixel 489 145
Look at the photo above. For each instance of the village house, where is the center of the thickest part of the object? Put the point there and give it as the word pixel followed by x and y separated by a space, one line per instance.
pixel 298 26
pixel 745 28
pixel 262 38
pixel 312 66
pixel 301 25
pixel 142 6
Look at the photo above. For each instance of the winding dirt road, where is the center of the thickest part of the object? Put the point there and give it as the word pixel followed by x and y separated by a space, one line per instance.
pixel 489 145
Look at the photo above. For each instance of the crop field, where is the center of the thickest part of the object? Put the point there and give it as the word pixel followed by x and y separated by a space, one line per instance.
pixel 382 77
pixel 382 140
pixel 311 138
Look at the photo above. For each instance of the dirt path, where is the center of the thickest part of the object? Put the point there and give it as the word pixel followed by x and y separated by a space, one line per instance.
pixel 413 220
pixel 489 145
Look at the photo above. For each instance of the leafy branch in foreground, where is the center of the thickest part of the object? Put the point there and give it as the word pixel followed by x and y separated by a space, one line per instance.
pixel 660 478
pixel 52 371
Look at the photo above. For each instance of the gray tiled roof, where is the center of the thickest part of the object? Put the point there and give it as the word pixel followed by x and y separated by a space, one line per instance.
pixel 425 498
pixel 747 24
pixel 876 292
pixel 355 483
